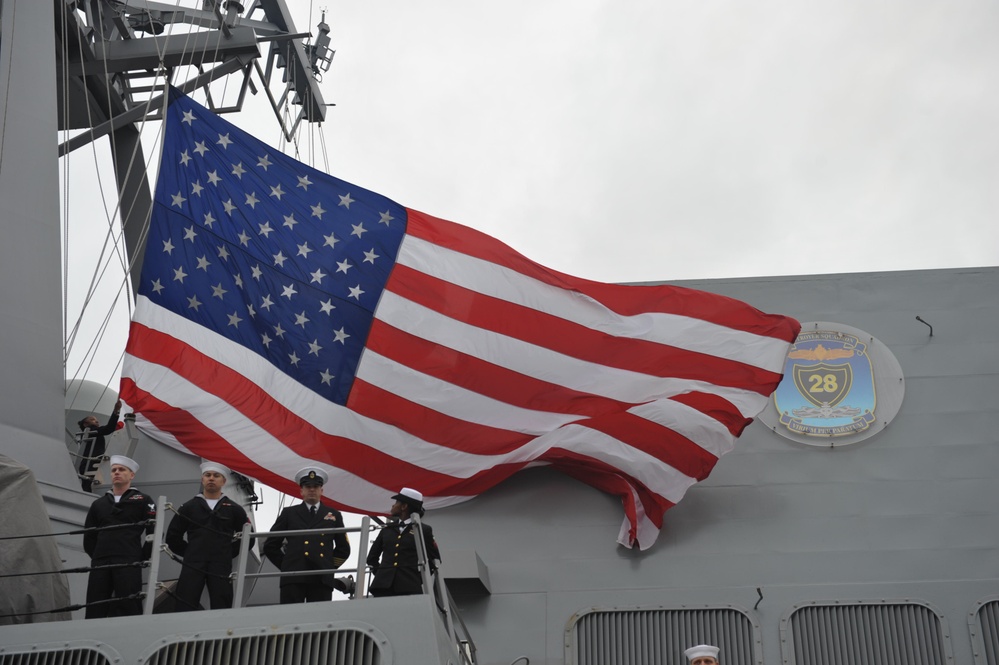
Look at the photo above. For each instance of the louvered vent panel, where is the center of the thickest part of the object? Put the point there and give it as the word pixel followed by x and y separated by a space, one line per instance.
pixel 886 634
pixel 988 619
pixel 332 647
pixel 659 636
pixel 60 657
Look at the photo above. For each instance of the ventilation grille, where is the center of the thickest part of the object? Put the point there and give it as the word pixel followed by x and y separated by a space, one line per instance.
pixel 988 619
pixel 332 647
pixel 60 657
pixel 882 633
pixel 659 636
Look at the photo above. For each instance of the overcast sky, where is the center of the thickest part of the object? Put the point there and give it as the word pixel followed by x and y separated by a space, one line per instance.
pixel 627 141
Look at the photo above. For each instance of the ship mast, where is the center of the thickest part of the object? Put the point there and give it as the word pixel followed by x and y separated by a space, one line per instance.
pixel 31 404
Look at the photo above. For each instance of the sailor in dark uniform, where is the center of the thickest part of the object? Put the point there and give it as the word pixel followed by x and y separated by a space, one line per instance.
pixel 203 532
pixel 393 555
pixel 314 552
pixel 123 504
pixel 92 444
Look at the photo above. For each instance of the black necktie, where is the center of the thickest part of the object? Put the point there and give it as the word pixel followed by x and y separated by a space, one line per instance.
pixel 312 509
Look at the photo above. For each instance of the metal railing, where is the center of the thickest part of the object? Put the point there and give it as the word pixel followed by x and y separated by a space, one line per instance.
pixel 432 584
pixel 239 575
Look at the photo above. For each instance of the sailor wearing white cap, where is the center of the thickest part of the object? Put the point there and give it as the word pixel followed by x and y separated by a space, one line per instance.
pixel 394 554
pixel 203 532
pixel 126 462
pixel 702 654
pixel 325 552
pixel 122 504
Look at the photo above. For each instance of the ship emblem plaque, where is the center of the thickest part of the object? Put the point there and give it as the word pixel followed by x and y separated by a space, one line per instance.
pixel 840 385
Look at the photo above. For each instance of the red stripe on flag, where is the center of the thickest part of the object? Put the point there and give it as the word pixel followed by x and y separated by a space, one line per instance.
pixel 479 376
pixel 716 407
pixel 210 445
pixel 430 425
pixel 623 299
pixel 613 481
pixel 659 442
pixel 573 339
pixel 255 404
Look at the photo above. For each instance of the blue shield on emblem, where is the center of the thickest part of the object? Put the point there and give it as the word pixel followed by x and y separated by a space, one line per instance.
pixel 828 386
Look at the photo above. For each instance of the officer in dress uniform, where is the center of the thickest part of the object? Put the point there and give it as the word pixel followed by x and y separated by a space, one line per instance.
pixel 122 504
pixel 203 532
pixel 313 552
pixel 393 555
pixel 702 654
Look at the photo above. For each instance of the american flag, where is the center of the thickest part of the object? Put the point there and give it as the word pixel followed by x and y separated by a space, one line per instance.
pixel 288 318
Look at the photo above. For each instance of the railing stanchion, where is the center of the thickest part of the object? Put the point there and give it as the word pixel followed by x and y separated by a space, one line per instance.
pixel 362 576
pixel 154 559
pixel 244 555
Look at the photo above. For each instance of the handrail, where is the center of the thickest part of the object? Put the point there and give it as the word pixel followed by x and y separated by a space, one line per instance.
pixel 444 600
pixel 239 575
pixel 432 584
pixel 465 639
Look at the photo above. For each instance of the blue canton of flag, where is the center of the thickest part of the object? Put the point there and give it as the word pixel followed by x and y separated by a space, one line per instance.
pixel 283 259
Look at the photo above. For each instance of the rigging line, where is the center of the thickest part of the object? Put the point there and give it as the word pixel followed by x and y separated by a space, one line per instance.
pixel 64 82
pixel 322 144
pixel 124 261
pixel 69 343
pixel 70 337
pixel 218 46
pixel 105 384
pixel 100 338
pixel 312 140
pixel 81 569
pixel 114 151
pixel 128 263
pixel 85 530
pixel 7 57
pixel 73 608
pixel 307 102
pixel 124 285
pixel 295 135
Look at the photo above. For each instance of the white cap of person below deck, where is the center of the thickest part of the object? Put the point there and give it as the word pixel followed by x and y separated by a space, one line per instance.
pixel 702 650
